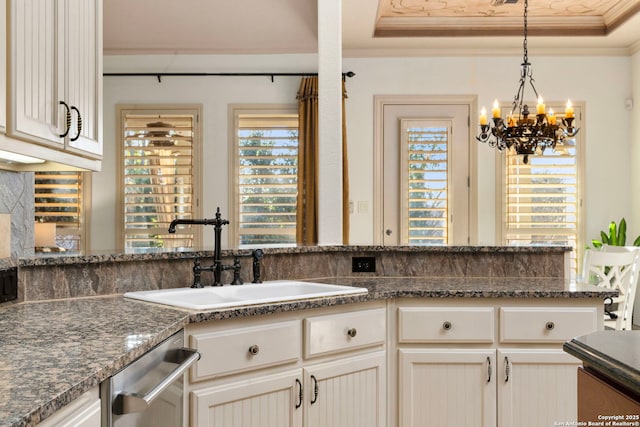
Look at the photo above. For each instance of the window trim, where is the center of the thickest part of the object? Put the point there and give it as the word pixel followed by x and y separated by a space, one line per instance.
pixel 234 111
pixel 198 141
pixel 501 216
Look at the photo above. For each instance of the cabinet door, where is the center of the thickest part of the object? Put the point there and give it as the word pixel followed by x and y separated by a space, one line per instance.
pixel 82 412
pixel 268 401
pixel 3 67
pixel 447 387
pixel 36 71
pixel 350 392
pixel 536 387
pixel 84 74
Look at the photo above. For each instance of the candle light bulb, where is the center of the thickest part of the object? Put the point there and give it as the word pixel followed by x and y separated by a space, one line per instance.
pixel 568 111
pixel 552 117
pixel 540 106
pixel 496 109
pixel 483 116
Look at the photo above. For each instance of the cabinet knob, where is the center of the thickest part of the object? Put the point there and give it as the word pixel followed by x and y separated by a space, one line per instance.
pixel 549 326
pixel 254 349
pixel 447 325
pixel 352 332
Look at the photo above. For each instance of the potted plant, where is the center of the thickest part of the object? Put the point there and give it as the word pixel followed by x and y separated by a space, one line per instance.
pixel 617 236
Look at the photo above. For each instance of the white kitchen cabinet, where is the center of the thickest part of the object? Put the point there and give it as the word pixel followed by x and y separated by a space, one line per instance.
pixel 82 412
pixel 447 387
pixel 252 371
pixel 269 400
pixel 349 392
pixel 3 68
pixel 54 81
pixel 342 393
pixel 537 387
pixel 488 364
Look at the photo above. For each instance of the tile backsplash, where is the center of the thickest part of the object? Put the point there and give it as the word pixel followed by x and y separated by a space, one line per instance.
pixel 17 201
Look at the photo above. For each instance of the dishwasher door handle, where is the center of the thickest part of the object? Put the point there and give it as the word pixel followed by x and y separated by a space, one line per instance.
pixel 129 403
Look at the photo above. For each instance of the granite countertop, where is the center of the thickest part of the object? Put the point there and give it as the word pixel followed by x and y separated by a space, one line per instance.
pixel 54 351
pixel 93 257
pixel 614 354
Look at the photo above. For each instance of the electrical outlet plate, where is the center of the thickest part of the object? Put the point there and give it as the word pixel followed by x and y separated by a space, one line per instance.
pixel 364 264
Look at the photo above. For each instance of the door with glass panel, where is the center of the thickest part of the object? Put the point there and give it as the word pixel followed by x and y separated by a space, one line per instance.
pixel 426 175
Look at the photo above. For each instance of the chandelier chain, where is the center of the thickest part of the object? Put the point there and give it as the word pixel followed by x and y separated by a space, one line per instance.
pixel 524 43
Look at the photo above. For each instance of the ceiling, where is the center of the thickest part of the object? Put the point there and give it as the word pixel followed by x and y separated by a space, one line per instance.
pixel 387 27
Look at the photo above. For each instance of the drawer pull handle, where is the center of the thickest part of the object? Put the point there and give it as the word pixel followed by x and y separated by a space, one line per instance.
pixel 447 326
pixel 352 332
pixel 549 326
pixel 254 349
pixel 489 370
pixel 315 389
pixel 507 370
pixel 300 394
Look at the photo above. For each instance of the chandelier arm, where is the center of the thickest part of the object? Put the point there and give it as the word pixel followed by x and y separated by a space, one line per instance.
pixel 518 100
pixel 533 87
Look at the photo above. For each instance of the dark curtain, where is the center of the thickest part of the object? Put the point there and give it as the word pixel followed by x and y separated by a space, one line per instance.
pixel 307 211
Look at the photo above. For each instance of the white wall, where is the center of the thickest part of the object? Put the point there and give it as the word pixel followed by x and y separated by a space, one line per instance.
pixel 634 194
pixel 603 83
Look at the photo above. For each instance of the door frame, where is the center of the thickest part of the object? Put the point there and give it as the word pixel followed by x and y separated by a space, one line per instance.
pixel 379 102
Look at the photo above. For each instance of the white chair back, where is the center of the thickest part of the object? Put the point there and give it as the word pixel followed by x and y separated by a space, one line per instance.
pixel 613 270
pixel 633 289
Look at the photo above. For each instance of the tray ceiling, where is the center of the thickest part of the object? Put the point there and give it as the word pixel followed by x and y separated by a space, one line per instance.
pixel 442 18
pixel 387 27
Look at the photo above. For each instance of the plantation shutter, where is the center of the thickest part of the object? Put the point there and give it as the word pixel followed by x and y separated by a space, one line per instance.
pixel 267 176
pixel 158 165
pixel 58 199
pixel 425 181
pixel 542 199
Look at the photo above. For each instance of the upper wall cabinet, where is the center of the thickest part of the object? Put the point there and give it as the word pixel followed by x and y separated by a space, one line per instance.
pixel 54 77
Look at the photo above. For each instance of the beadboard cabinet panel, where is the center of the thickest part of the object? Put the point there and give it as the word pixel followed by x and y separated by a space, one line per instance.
pixel 53 105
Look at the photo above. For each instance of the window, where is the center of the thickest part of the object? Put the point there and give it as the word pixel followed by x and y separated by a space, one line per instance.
pixel 425 181
pixel 542 199
pixel 159 176
pixel 60 199
pixel 266 173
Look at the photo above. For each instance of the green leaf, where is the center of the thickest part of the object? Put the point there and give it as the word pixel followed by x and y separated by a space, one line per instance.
pixel 622 232
pixel 637 241
pixel 598 243
pixel 613 235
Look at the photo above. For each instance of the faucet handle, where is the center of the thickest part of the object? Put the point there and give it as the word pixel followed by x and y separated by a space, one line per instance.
pixel 257 256
pixel 236 271
pixel 197 270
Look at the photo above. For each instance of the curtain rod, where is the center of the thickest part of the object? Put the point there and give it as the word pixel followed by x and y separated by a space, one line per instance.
pixel 272 75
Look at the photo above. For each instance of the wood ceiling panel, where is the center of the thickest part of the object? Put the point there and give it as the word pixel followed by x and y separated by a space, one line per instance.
pixel 450 18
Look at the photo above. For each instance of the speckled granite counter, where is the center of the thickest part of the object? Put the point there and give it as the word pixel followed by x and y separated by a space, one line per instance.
pixel 67 258
pixel 51 352
pixel 614 354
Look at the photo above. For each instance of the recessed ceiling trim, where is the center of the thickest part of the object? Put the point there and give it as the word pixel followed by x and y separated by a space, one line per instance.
pixel 489 26
pixel 620 13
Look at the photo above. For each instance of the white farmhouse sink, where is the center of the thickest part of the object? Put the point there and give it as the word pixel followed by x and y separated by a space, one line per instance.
pixel 235 296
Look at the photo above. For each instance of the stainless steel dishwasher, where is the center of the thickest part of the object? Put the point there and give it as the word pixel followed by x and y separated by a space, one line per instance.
pixel 149 391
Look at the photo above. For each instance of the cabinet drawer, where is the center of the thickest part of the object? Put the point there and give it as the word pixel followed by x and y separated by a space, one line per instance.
pixel 445 324
pixel 339 332
pixel 546 324
pixel 244 349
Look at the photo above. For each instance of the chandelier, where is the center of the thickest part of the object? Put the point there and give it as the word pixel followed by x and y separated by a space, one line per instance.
pixel 519 132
